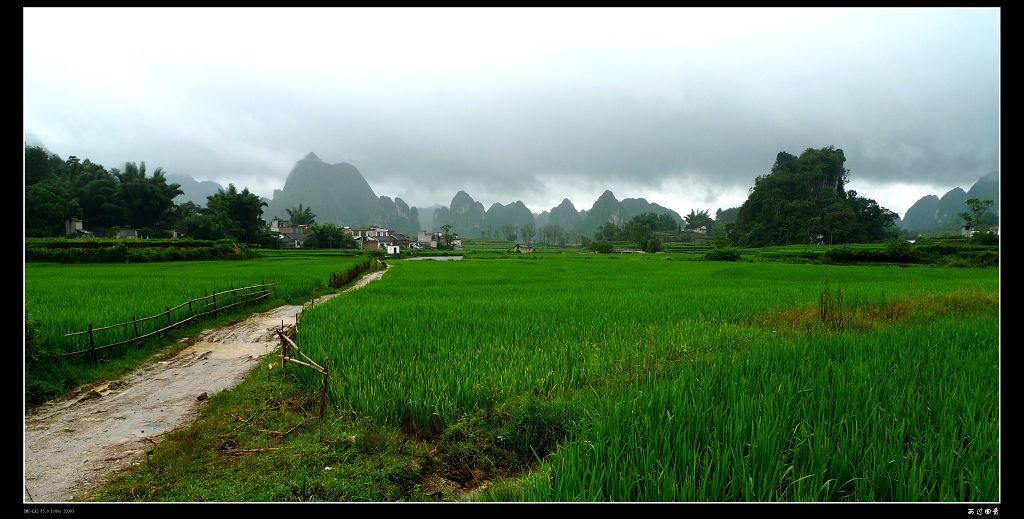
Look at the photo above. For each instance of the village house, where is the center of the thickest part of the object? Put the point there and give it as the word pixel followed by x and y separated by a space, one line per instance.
pixel 369 232
pixel 427 239
pixel 73 227
pixel 969 230
pixel 402 240
pixel 433 240
pixel 283 226
pixel 368 243
pixel 294 239
pixel 288 235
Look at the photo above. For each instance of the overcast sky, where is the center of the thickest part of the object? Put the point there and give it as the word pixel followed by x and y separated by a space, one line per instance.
pixel 682 106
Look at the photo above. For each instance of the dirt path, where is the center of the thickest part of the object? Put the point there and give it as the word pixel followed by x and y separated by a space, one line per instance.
pixel 73 445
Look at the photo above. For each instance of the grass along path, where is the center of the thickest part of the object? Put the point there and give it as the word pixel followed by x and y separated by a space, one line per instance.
pixel 73 445
pixel 723 358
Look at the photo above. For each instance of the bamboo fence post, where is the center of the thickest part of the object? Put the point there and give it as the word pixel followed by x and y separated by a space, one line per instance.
pixel 190 308
pixel 205 302
pixel 215 303
pixel 135 324
pixel 232 285
pixel 263 283
pixel 284 358
pixel 92 346
pixel 167 310
pixel 323 392
pixel 273 283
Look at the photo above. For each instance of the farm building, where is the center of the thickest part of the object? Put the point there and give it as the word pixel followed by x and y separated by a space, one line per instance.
pixel 72 226
pixel 295 238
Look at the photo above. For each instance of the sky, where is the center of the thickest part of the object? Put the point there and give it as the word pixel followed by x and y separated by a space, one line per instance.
pixel 682 106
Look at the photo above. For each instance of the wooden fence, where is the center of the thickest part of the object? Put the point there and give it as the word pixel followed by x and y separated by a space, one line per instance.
pixel 197 308
pixel 286 345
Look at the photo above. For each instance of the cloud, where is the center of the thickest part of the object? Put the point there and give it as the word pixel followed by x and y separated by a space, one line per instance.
pixel 530 104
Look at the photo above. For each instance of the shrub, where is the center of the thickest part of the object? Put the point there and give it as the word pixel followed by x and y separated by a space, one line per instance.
pixel 985 238
pixel 722 254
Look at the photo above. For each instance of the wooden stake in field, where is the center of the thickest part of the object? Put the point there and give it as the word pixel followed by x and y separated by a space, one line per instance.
pixel 135 325
pixel 92 346
pixel 284 357
pixel 323 392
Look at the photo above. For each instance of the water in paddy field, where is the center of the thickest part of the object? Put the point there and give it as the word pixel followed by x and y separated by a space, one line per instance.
pixel 437 258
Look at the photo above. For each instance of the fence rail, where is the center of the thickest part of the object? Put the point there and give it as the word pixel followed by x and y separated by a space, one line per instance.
pixel 209 306
pixel 287 344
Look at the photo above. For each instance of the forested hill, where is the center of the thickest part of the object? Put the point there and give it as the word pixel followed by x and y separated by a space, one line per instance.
pixel 932 212
pixel 338 194
pixel 803 200
pixel 468 217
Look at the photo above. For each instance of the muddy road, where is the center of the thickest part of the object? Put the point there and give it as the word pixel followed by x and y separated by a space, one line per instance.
pixel 73 445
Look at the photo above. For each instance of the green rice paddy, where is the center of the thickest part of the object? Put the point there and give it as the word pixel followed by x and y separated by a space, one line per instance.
pixel 698 381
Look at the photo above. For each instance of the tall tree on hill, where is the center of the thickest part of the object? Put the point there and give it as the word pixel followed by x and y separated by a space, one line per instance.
pixel 978 209
pixel 47 204
pixel 148 200
pixel 446 233
pixel 328 236
pixel 666 222
pixel 641 229
pixel 529 231
pixel 301 215
pixel 803 200
pixel 698 219
pixel 100 195
pixel 37 164
pixel 243 212
pixel 608 232
pixel 509 231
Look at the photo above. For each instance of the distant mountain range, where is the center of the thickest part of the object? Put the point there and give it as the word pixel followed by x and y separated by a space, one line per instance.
pixel 339 194
pixel 468 217
pixel 193 190
pixel 932 212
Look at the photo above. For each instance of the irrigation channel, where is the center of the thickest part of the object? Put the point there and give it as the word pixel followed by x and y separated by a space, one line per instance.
pixel 73 445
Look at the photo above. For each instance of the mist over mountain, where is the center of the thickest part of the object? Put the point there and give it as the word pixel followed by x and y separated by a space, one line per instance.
pixel 932 212
pixel 564 215
pixel 607 209
pixel 426 216
pixel 195 191
pixel 468 217
pixel 338 194
pixel 515 213
pixel 465 215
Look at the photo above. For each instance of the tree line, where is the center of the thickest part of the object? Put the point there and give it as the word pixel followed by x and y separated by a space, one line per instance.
pixel 802 200
pixel 57 189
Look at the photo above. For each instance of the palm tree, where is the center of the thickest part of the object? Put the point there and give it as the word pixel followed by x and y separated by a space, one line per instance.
pixel 301 215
